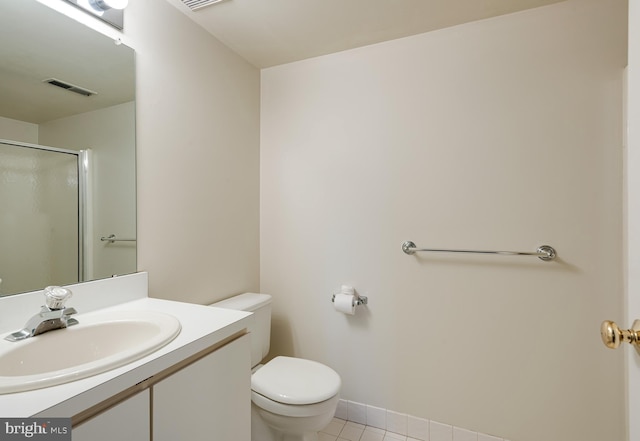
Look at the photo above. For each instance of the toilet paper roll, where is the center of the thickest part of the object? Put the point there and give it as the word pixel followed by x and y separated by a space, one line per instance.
pixel 345 303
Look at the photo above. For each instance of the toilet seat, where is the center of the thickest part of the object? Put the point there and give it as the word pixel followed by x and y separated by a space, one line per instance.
pixel 295 381
pixel 293 410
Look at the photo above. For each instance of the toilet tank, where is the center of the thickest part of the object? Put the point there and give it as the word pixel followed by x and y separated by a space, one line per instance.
pixel 260 325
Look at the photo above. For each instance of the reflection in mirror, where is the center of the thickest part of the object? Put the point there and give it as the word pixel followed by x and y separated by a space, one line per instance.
pixel 51 234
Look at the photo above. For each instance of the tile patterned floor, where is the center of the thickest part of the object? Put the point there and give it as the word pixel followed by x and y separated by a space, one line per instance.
pixel 340 430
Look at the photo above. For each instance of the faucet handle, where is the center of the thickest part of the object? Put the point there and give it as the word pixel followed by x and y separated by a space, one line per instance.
pixel 56 296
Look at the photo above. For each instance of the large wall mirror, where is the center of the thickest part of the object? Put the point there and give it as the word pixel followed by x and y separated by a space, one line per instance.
pixel 67 151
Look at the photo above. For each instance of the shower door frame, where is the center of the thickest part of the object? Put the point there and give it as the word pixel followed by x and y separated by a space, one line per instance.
pixel 82 161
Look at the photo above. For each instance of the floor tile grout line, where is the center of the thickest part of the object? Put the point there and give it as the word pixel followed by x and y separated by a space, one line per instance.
pixel 382 432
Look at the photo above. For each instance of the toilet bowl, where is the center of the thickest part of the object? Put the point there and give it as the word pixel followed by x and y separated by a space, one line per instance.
pixel 291 398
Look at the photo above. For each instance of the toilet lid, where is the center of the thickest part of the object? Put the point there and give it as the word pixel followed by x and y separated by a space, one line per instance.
pixel 295 381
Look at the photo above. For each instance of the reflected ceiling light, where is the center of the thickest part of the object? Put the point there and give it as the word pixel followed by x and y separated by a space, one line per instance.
pixel 109 11
pixel 73 11
pixel 86 5
pixel 104 5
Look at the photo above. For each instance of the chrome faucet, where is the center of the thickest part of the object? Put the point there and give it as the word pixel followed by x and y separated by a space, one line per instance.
pixel 53 315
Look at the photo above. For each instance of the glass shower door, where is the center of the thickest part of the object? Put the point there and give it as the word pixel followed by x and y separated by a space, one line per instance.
pixel 39 217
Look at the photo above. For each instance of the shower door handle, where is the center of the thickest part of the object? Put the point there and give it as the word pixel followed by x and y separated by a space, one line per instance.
pixel 613 336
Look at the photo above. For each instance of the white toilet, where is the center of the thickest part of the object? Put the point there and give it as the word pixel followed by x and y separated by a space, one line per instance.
pixel 291 398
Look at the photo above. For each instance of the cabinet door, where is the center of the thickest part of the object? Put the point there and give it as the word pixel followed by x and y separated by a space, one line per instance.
pixel 207 400
pixel 128 420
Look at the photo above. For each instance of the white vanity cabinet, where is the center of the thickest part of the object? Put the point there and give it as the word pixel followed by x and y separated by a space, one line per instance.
pixel 196 387
pixel 207 399
pixel 128 420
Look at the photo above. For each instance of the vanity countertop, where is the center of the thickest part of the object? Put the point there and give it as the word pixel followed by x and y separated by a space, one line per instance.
pixel 202 327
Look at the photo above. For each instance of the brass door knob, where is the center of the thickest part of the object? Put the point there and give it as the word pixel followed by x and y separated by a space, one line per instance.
pixel 613 336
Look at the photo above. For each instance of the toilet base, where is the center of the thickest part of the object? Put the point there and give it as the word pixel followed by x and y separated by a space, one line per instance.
pixel 266 426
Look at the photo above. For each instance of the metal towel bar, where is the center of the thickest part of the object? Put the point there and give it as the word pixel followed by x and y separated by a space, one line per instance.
pixel 544 252
pixel 112 238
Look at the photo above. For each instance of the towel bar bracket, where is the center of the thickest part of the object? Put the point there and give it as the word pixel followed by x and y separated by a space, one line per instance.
pixel 546 253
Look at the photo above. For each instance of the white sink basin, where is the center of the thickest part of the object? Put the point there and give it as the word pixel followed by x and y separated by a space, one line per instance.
pixel 100 342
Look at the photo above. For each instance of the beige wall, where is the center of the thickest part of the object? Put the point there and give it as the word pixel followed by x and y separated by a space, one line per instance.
pixel 18 130
pixel 198 154
pixel 500 134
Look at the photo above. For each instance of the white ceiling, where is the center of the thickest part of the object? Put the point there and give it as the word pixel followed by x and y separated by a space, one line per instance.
pixel 265 32
pixel 272 32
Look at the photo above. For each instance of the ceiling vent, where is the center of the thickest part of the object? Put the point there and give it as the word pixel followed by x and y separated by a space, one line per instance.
pixel 70 87
pixel 197 4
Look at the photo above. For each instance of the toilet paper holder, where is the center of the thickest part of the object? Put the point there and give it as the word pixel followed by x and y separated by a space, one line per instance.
pixel 359 300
